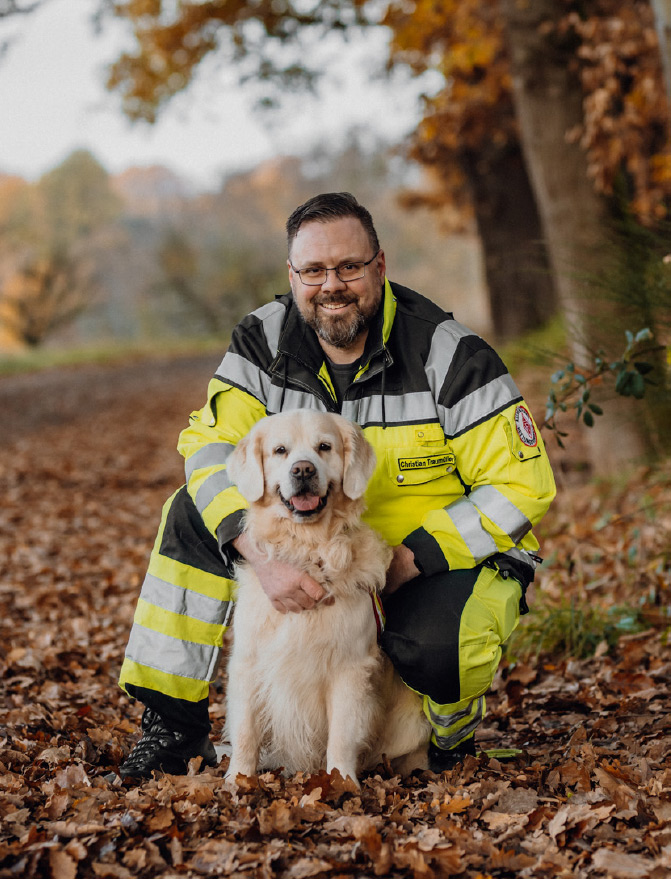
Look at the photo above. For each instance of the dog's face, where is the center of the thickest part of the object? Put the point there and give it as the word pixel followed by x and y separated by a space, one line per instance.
pixel 301 462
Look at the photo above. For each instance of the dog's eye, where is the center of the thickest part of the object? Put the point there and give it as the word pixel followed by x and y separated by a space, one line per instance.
pixel 280 450
pixel 324 447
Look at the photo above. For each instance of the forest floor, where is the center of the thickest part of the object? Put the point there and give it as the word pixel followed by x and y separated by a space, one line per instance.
pixel 88 460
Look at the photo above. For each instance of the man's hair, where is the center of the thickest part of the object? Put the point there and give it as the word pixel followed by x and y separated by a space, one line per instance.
pixel 327 207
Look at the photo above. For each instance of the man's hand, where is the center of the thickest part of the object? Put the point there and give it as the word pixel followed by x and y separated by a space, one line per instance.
pixel 288 589
pixel 402 568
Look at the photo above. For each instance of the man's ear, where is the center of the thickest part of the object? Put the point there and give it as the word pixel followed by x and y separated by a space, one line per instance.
pixel 359 459
pixel 245 465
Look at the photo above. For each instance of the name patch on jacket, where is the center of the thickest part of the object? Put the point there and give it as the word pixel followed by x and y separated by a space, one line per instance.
pixel 427 463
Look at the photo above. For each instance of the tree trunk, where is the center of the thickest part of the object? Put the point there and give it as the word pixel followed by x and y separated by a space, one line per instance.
pixel 548 99
pixel 662 10
pixel 520 284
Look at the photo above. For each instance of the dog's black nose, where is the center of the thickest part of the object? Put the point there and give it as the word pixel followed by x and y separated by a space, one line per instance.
pixel 303 470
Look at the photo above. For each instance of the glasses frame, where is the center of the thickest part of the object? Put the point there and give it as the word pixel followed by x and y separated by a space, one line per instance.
pixel 328 269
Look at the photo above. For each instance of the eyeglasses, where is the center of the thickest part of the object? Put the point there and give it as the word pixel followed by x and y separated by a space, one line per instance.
pixel 315 276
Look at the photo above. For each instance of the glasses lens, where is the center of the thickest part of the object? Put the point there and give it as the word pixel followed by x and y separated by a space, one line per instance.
pixel 315 275
pixel 350 271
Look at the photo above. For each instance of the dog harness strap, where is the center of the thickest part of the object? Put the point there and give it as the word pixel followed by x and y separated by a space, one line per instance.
pixel 378 613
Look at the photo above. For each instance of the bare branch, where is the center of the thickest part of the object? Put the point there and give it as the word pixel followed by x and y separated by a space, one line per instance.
pixel 16 7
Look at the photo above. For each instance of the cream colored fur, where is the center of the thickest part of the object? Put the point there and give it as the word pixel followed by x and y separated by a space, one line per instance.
pixel 313 689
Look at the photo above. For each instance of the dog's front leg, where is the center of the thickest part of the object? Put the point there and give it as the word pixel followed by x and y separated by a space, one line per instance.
pixel 244 729
pixel 351 711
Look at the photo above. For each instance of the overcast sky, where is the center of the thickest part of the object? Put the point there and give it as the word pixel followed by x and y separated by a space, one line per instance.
pixel 52 100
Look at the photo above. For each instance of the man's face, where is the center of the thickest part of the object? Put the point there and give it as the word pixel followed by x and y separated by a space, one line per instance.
pixel 339 312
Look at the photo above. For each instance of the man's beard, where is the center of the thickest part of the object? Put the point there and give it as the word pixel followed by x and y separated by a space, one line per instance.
pixel 340 331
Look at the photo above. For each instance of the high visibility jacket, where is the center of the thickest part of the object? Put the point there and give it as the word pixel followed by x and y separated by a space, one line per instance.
pixel 462 474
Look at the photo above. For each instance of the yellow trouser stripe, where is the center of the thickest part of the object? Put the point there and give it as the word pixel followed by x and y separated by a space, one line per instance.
pixel 171 685
pixel 177 625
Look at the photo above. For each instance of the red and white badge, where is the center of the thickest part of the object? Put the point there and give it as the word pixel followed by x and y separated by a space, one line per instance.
pixel 525 427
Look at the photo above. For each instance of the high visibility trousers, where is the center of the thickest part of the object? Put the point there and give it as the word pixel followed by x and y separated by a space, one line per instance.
pixel 183 610
pixel 443 633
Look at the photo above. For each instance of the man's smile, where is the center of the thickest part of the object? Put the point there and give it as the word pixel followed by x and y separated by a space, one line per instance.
pixel 334 306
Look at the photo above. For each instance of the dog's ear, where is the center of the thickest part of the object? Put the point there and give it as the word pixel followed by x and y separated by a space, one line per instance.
pixel 245 466
pixel 359 460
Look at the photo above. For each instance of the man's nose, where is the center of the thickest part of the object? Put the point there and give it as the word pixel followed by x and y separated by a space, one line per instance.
pixel 332 281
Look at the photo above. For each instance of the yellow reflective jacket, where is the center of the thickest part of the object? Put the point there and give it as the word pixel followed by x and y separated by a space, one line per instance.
pixel 462 474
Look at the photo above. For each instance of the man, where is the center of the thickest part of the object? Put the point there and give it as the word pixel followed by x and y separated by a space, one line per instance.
pixel 461 478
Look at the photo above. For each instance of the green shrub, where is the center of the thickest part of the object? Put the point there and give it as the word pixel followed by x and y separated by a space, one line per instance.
pixel 571 629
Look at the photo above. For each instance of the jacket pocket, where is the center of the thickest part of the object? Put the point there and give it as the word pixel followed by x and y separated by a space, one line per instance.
pixel 522 433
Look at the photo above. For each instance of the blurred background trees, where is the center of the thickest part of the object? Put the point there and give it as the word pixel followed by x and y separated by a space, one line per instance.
pixel 549 138
pixel 52 237
pixel 86 256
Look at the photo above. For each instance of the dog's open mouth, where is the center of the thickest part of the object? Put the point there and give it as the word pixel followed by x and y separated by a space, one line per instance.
pixel 305 504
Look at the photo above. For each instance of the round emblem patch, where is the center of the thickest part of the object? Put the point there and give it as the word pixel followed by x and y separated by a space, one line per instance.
pixel 525 427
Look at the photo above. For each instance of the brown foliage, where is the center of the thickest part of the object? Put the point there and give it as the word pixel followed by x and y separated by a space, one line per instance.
pixel 51 236
pixel 43 293
pixel 87 465
pixel 626 126
pixel 472 119
pixel 611 45
pixel 172 42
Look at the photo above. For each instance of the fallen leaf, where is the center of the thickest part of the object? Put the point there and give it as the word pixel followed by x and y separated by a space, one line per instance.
pixel 621 865
pixel 62 866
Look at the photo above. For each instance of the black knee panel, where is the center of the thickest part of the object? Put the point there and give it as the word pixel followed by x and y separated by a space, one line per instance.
pixel 421 635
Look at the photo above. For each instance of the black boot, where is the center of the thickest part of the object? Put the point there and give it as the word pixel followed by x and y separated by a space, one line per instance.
pixel 440 760
pixel 165 749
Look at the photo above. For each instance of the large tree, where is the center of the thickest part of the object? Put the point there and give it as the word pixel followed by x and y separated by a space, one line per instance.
pixel 565 94
pixel 469 139
pixel 566 143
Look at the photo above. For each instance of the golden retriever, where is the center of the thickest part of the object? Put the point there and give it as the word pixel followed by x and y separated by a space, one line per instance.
pixel 311 690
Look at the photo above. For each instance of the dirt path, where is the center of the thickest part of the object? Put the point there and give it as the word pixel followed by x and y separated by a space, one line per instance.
pixel 35 401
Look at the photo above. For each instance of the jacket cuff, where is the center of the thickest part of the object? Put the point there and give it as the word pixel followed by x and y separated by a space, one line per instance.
pixel 429 557
pixel 227 530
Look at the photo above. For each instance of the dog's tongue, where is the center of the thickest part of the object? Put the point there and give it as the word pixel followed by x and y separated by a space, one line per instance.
pixel 305 502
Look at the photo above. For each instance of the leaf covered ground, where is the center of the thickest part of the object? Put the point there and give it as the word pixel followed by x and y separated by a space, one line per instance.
pixel 88 461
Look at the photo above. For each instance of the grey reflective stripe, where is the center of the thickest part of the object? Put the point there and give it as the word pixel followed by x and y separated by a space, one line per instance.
pixel 443 346
pixel 522 556
pixel 475 407
pixel 417 407
pixel 446 720
pixel 172 655
pixel 210 455
pixel 212 486
pixel 272 315
pixel 501 511
pixel 239 371
pixel 182 601
pixel 292 400
pixel 467 521
pixel 451 740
